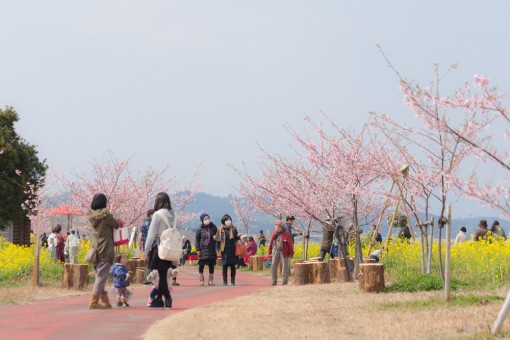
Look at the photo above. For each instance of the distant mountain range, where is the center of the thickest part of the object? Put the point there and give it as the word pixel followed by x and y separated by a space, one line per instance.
pixel 217 206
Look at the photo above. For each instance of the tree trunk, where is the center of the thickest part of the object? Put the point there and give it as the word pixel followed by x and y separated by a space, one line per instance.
pixel 139 275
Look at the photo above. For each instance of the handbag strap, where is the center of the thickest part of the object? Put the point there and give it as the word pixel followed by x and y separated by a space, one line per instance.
pixel 168 223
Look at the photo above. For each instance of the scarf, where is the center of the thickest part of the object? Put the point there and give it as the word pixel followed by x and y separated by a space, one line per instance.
pixel 222 235
pixel 207 230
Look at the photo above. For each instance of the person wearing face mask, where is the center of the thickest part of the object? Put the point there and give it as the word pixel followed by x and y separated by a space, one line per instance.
pixel 205 245
pixel 228 236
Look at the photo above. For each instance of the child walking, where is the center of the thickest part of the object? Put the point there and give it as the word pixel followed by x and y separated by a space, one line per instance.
pixel 120 274
pixel 154 278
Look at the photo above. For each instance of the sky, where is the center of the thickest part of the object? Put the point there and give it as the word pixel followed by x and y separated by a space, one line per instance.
pixel 177 82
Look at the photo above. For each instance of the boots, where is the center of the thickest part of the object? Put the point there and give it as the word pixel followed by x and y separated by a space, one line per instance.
pixel 105 301
pixel 168 303
pixel 94 298
pixel 233 280
pixel 211 279
pixel 201 279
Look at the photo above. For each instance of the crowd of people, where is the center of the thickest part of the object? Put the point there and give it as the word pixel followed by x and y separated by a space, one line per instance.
pixel 211 241
pixel 483 232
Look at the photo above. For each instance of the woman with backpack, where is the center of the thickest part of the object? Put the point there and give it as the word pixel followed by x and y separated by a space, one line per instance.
pixel 163 218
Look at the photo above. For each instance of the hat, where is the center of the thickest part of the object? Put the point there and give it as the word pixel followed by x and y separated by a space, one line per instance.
pixel 483 224
pixel 184 237
pixel 495 223
pixel 290 217
pixel 203 216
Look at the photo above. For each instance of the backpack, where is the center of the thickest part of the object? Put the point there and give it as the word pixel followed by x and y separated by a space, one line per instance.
pixel 170 242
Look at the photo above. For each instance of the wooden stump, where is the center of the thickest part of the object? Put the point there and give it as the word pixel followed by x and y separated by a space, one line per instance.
pixel 141 263
pixel 131 265
pixel 369 260
pixel 319 272
pixel 315 259
pixel 139 275
pixel 371 278
pixel 302 273
pixel 75 276
pixel 256 263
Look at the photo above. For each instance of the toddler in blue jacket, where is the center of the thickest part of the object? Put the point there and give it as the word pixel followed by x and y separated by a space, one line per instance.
pixel 120 274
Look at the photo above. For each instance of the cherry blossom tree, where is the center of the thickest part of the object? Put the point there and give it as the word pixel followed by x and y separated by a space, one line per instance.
pixel 433 153
pixel 244 211
pixel 337 174
pixel 129 193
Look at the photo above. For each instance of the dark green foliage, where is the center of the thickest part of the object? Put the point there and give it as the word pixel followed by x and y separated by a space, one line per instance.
pixel 21 171
pixel 421 282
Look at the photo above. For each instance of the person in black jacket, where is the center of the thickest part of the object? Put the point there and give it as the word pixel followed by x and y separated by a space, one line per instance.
pixel 186 250
pixel 206 248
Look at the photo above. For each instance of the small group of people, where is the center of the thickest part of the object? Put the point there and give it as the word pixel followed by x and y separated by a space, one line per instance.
pixel 482 232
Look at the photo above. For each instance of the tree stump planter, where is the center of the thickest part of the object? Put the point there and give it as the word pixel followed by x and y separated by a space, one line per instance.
pixel 302 273
pixel 141 263
pixel 256 262
pixel 139 275
pixel 131 265
pixel 319 272
pixel 75 276
pixel 371 278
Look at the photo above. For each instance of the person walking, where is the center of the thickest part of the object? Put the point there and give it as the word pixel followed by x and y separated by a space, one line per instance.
pixel 102 223
pixel 59 244
pixel 281 248
pixel 461 236
pixel 144 229
pixel 120 274
pixel 52 241
pixel 262 239
pixel 228 236
pixel 73 247
pixel 205 245
pixel 163 218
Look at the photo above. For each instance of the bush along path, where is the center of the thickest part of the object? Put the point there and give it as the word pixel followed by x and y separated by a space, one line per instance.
pixel 70 317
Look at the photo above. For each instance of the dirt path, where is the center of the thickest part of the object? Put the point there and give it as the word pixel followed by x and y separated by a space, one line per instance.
pixel 66 318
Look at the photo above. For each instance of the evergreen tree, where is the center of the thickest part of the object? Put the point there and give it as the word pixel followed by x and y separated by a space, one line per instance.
pixel 21 171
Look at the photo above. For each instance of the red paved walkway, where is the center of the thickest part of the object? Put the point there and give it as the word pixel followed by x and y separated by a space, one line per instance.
pixel 69 318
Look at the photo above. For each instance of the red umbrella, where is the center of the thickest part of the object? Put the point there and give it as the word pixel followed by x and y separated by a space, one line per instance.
pixel 68 211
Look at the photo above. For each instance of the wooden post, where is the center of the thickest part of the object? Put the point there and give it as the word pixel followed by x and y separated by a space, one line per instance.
pixel 447 255
pixel 501 315
pixel 371 277
pixel 35 272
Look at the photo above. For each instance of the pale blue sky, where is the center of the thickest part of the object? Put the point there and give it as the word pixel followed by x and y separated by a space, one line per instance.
pixel 208 79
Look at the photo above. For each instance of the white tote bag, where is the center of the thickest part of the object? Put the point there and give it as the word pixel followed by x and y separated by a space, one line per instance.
pixel 170 242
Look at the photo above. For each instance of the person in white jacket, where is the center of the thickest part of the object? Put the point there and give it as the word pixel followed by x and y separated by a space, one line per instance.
pixel 461 236
pixel 162 219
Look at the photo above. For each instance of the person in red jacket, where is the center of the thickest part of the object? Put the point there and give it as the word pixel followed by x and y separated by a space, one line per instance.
pixel 281 248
